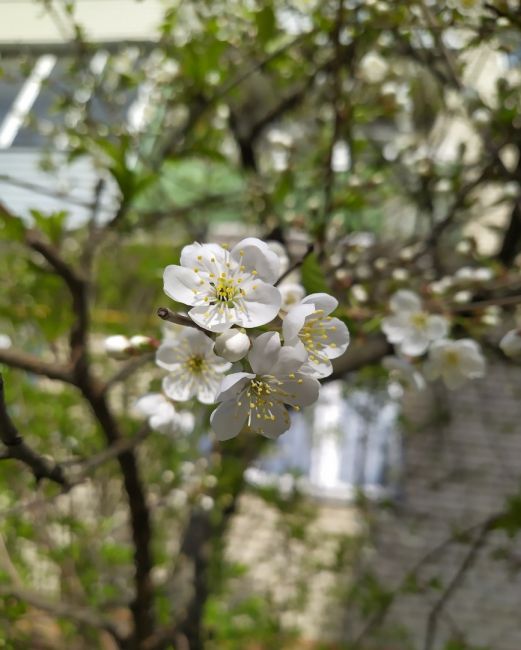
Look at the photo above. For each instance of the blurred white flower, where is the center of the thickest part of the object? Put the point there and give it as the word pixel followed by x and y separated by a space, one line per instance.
pixel 411 328
pixel 291 294
pixel 471 274
pixel 226 288
pixel 5 341
pixel 443 285
pixel 232 345
pixel 257 400
pixel 141 342
pixel 162 415
pixel 194 369
pixel 511 344
pixel 117 347
pixel 455 361
pixel 402 376
pixel 282 254
pixel 323 336
pixel 373 68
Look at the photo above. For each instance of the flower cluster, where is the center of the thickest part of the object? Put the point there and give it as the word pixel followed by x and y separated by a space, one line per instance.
pixel 280 341
pixel 414 332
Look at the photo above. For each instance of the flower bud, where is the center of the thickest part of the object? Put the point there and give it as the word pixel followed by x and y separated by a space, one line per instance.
pixel 142 343
pixel 117 347
pixel 232 345
pixel 5 342
pixel 511 344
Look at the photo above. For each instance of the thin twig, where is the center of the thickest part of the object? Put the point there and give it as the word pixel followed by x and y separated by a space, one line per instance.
pixel 171 317
pixel 296 265
pixel 41 466
pixel 456 581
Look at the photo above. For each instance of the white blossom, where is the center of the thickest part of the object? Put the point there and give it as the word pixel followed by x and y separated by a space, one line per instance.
pixel 291 294
pixel 232 345
pixel 373 68
pixel 323 336
pixel 281 253
pixel 411 328
pixel 473 274
pixel 226 288
pixel 118 346
pixel 455 361
pixel 5 341
pixel 403 376
pixel 194 369
pixel 141 342
pixel 257 400
pixel 511 344
pixel 162 415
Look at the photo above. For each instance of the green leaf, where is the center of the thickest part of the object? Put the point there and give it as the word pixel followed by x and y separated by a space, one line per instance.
pixel 510 521
pixel 266 23
pixel 313 278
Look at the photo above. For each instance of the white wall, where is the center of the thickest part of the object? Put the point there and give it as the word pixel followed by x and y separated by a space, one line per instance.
pixel 26 21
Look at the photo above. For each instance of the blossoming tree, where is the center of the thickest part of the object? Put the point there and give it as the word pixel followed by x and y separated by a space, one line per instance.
pixel 149 352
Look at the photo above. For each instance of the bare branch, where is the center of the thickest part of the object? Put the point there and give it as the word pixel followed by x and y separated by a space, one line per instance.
pixel 35 365
pixel 295 266
pixel 77 614
pixel 171 317
pixel 457 579
pixel 128 369
pixel 41 466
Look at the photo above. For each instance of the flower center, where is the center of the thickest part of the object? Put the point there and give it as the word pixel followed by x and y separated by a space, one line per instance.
pixel 225 290
pixel 452 358
pixel 314 334
pixel 196 364
pixel 419 319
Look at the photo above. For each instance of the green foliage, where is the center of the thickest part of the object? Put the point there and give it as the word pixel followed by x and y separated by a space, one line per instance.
pixel 313 277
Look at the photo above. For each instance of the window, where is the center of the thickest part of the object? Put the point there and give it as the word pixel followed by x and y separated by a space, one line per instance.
pixel 348 443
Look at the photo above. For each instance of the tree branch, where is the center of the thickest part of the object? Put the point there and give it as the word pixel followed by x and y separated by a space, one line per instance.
pixel 74 613
pixel 35 365
pixel 41 466
pixel 456 581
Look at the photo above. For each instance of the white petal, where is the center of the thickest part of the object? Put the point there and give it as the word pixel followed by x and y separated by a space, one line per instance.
pixel 319 368
pixel 321 301
pixel 404 300
pixel 180 388
pixel 150 403
pixel 5 342
pixel 211 318
pixel 294 321
pixel 261 303
pixel 163 419
pixel 437 327
pixel 168 355
pixel 289 359
pixel 275 427
pixel 201 255
pixel 257 256
pixel 180 284
pixel 232 385
pixel 207 388
pixel 415 344
pixel 264 352
pixel 472 362
pixel 453 377
pixel 228 419
pixel 303 393
pixel 338 335
pixel 510 344
pixel 395 328
pixel 198 341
